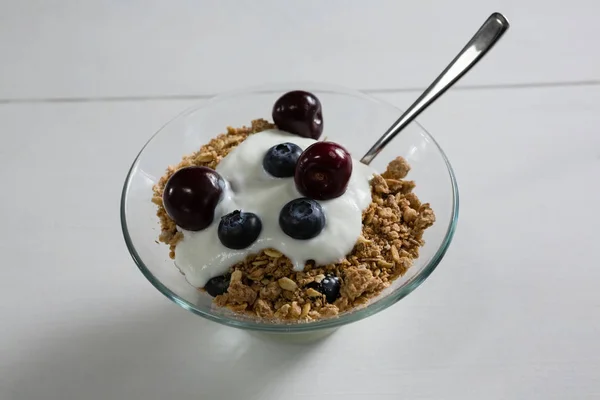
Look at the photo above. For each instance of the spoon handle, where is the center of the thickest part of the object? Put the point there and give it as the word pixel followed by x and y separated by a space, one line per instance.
pixel 485 38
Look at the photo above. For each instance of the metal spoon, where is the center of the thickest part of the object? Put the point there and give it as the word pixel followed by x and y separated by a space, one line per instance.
pixel 485 38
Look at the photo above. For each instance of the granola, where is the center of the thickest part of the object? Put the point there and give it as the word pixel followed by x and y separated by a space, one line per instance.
pixel 265 285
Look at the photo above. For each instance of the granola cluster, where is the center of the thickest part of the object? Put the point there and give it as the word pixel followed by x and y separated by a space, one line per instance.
pixel 265 285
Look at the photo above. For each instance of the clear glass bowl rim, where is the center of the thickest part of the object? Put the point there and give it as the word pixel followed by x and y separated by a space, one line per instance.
pixel 343 319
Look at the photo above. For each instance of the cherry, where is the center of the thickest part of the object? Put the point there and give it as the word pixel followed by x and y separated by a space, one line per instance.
pixel 299 112
pixel 191 196
pixel 323 171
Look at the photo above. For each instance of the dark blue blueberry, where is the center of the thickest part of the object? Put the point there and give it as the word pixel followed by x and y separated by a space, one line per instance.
pixel 302 218
pixel 217 285
pixel 280 160
pixel 330 287
pixel 238 230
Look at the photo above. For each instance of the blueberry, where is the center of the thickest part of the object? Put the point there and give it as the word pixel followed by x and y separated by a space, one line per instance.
pixel 329 286
pixel 302 218
pixel 238 230
pixel 217 285
pixel 280 160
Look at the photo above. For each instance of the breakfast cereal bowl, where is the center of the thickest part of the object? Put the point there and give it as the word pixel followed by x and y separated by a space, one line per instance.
pixel 350 118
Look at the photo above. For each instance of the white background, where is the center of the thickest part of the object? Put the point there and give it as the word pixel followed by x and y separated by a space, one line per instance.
pixel 512 312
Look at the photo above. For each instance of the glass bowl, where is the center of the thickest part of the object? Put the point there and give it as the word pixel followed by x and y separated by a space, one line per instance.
pixel 351 118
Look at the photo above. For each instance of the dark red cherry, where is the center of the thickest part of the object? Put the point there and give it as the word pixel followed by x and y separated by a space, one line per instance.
pixel 191 196
pixel 323 171
pixel 299 112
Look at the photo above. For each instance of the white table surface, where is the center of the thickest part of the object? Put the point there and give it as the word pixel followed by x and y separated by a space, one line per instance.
pixel 512 312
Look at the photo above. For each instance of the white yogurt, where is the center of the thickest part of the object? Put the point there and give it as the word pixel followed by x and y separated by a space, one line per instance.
pixel 201 256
